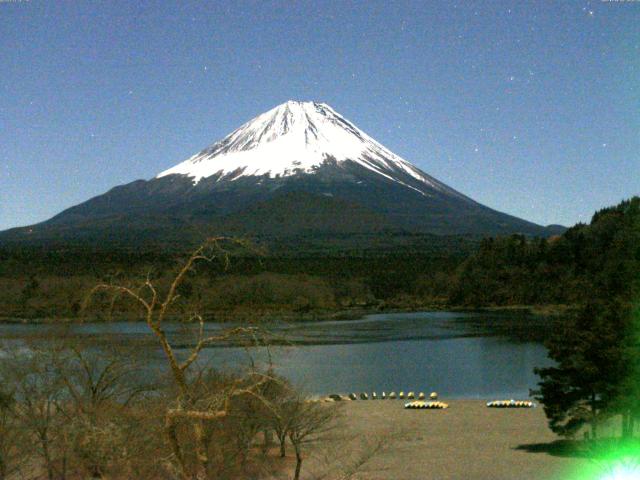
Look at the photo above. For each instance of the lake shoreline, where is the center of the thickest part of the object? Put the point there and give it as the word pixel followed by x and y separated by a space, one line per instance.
pixel 334 315
pixel 457 354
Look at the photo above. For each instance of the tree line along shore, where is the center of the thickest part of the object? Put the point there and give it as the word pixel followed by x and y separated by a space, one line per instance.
pixel 465 273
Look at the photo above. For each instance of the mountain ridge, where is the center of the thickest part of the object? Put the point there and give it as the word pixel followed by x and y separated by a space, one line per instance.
pixel 301 150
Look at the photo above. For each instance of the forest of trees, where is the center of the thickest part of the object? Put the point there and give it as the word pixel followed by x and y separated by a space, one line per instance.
pixel 560 270
pixel 462 272
pixel 597 349
pixel 46 284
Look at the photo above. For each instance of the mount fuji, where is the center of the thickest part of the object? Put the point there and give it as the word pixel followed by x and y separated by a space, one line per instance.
pixel 300 169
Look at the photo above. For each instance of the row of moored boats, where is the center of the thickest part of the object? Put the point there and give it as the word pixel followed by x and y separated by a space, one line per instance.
pixel 387 396
pixel 511 404
pixel 420 402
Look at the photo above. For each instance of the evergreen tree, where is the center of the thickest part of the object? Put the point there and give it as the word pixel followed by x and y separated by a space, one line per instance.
pixel 591 365
pixel 597 352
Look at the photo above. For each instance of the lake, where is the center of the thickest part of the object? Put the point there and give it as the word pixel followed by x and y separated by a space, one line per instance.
pixel 459 355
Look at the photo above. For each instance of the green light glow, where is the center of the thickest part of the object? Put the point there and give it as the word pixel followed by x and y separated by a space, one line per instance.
pixel 623 471
pixel 610 460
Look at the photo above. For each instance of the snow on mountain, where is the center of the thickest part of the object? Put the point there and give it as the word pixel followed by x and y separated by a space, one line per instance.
pixel 298 172
pixel 297 137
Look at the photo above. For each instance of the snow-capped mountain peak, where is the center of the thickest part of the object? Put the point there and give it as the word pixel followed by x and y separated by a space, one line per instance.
pixel 293 138
pixel 299 172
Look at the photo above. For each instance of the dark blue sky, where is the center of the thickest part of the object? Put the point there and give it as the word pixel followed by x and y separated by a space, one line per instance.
pixel 532 108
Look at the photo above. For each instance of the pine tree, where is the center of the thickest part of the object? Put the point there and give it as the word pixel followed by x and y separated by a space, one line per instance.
pixel 591 365
pixel 597 352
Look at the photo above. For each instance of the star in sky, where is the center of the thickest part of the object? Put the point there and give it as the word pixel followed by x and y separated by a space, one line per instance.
pixel 480 67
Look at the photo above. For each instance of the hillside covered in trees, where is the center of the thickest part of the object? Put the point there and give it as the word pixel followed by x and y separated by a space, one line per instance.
pixel 561 270
pixel 428 272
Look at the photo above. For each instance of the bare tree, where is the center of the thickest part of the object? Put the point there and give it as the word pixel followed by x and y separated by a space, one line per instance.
pixel 282 400
pixel 96 376
pixel 189 408
pixel 12 438
pixel 38 395
pixel 101 382
pixel 309 421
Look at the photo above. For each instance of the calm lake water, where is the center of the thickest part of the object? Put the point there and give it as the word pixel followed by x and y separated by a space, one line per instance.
pixel 459 355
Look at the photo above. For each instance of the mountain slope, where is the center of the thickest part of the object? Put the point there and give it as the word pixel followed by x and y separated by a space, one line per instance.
pixel 298 169
pixel 296 138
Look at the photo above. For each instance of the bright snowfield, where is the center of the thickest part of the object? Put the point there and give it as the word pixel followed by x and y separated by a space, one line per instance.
pixel 292 138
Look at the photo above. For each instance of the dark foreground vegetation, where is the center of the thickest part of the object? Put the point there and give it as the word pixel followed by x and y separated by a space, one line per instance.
pixel 77 411
pixel 70 410
pixel 38 282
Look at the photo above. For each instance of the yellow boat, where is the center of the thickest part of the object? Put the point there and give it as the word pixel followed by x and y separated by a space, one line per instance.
pixel 511 404
pixel 419 405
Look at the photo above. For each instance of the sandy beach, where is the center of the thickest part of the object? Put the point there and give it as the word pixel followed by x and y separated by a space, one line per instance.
pixel 466 441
